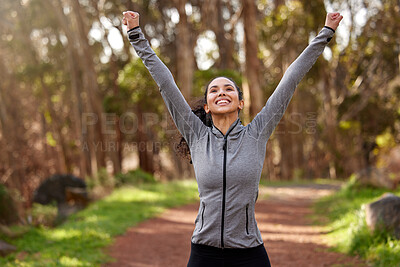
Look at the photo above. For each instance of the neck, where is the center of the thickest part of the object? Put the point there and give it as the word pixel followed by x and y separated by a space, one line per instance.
pixel 224 121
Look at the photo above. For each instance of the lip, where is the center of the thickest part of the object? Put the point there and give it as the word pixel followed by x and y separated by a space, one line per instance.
pixel 222 102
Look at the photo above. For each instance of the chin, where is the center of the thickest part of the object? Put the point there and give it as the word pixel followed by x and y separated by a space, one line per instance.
pixel 224 111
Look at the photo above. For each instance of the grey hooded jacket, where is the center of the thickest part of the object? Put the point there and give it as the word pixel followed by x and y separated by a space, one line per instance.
pixel 228 167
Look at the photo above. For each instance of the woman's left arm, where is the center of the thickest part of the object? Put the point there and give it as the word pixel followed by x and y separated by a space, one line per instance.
pixel 267 119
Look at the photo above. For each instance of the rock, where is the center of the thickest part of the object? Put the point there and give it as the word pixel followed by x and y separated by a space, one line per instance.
pixel 68 191
pixel 379 178
pixel 54 188
pixel 76 196
pixel 6 248
pixel 384 214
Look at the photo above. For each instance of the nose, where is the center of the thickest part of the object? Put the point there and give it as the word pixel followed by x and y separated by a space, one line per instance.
pixel 221 92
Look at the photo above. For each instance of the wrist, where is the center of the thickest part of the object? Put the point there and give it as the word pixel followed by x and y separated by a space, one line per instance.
pixel 133 28
pixel 330 28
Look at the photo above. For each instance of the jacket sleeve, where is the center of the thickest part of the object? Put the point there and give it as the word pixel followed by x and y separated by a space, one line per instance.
pixel 188 124
pixel 266 120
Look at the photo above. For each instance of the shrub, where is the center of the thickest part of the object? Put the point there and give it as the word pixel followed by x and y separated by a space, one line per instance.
pixel 8 211
pixel 134 177
pixel 44 214
pixel 350 233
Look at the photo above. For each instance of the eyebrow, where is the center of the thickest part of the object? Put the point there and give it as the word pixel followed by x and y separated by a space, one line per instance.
pixel 225 85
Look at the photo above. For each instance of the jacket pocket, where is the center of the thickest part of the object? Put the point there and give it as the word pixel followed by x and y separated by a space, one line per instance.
pixel 202 217
pixel 247 218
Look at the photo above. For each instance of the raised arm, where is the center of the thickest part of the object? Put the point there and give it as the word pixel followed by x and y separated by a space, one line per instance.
pixel 186 121
pixel 266 120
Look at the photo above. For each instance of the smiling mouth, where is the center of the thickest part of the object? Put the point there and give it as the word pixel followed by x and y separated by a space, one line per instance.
pixel 222 102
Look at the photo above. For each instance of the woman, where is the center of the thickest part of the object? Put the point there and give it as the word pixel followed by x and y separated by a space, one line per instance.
pixel 227 157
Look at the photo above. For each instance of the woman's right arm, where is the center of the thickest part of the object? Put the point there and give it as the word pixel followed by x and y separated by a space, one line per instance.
pixel 267 119
pixel 189 125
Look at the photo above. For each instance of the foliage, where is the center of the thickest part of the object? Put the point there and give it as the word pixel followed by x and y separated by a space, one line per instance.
pixel 59 66
pixel 137 86
pixel 349 232
pixel 8 213
pixel 203 77
pixel 81 240
pixel 134 177
pixel 105 179
pixel 44 215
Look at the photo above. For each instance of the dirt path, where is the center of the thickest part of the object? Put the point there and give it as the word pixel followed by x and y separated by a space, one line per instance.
pixel 282 218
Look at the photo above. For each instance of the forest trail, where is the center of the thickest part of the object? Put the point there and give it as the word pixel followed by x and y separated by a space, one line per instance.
pixel 282 215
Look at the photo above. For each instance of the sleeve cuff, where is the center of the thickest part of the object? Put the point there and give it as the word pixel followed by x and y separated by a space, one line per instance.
pixel 131 30
pixel 134 33
pixel 329 28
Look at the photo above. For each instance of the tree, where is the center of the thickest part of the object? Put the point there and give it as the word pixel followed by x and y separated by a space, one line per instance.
pixel 252 60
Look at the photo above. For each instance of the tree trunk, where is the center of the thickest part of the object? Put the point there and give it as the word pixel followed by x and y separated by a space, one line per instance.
pixel 224 40
pixel 184 52
pixel 252 61
pixel 62 153
pixel 90 82
pixel 145 147
pixel 77 107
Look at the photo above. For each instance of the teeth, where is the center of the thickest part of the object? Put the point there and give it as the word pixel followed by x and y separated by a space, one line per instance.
pixel 222 101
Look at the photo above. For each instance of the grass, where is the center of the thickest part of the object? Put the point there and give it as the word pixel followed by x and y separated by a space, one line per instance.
pixel 82 239
pixel 349 232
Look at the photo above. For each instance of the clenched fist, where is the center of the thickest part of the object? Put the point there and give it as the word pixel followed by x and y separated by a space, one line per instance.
pixel 333 20
pixel 130 19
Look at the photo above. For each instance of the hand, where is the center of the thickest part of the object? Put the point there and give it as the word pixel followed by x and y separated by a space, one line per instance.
pixel 130 19
pixel 333 20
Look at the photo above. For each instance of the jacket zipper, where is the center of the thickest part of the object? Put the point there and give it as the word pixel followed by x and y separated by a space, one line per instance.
pixel 247 218
pixel 225 148
pixel 223 191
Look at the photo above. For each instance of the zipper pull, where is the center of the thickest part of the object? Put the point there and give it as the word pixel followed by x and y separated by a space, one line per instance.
pixel 224 147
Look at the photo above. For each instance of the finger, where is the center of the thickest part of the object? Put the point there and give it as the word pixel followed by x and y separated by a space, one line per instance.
pixel 339 18
pixel 126 15
pixel 134 14
pixel 129 14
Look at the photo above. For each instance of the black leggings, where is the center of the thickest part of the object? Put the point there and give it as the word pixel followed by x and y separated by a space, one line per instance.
pixel 207 256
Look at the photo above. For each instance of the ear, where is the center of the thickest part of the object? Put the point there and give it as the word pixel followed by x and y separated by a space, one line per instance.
pixel 241 104
pixel 206 108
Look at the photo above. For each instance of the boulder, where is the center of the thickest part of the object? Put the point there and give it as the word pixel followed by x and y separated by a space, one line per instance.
pixel 76 196
pixel 379 178
pixel 68 191
pixel 6 248
pixel 54 188
pixel 384 214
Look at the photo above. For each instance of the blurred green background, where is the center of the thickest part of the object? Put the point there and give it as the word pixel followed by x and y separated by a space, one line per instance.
pixel 75 98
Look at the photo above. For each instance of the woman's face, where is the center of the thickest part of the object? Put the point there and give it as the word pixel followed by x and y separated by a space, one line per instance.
pixel 222 97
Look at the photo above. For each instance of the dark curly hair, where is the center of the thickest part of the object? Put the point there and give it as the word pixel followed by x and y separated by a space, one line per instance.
pixel 198 109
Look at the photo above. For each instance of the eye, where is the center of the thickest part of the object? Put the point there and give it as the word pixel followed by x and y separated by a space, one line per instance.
pixel 229 89
pixel 213 90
